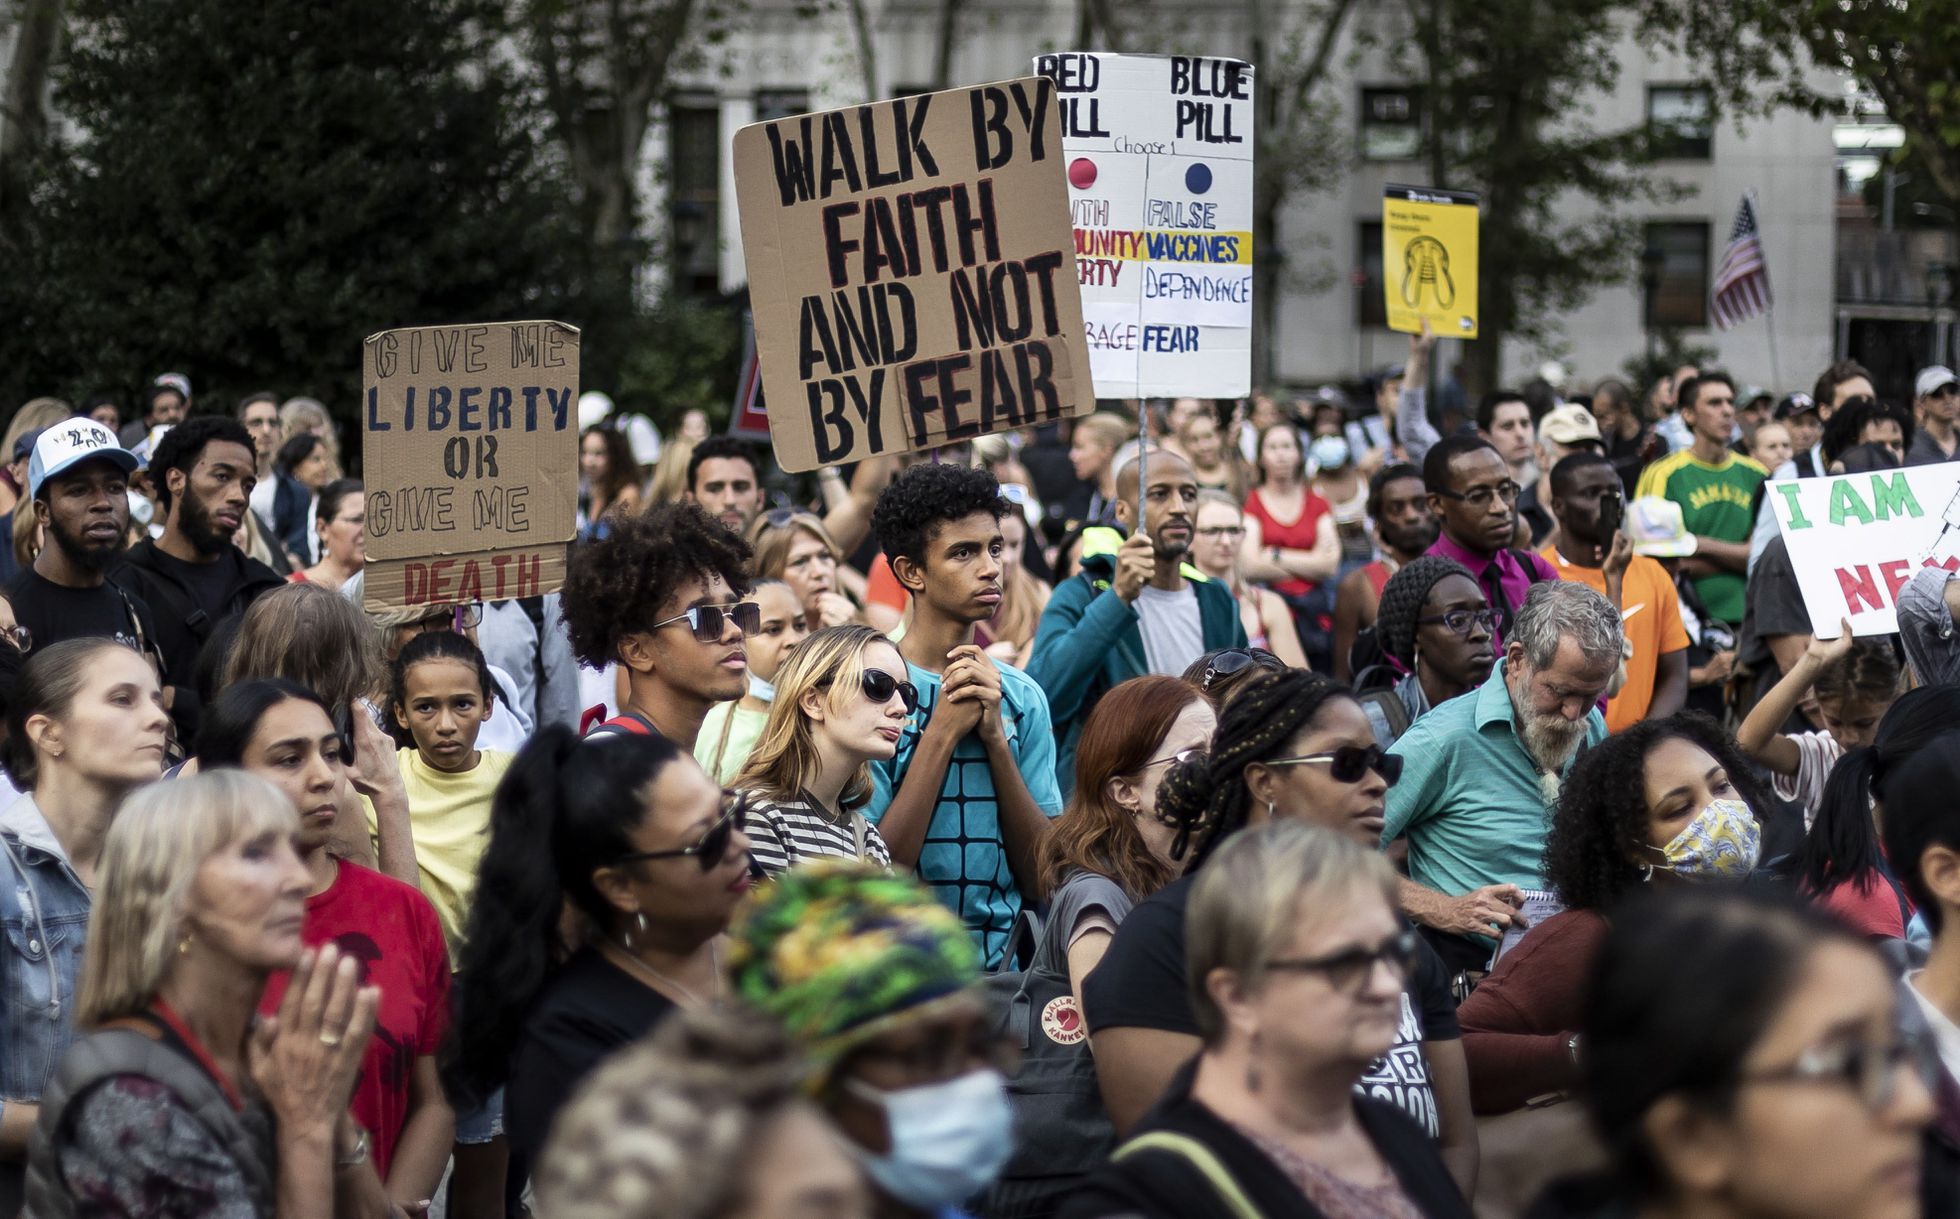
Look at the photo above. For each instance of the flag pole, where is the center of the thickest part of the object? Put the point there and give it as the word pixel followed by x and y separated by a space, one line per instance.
pixel 1769 309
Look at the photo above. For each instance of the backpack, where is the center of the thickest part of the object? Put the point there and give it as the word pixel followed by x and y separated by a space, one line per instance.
pixel 1061 1130
pixel 626 723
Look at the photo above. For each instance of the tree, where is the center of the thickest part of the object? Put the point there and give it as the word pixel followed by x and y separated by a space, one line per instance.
pixel 1506 83
pixel 23 109
pixel 256 185
pixel 1760 54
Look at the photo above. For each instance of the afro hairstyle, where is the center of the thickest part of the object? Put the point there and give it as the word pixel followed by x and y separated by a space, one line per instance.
pixel 925 497
pixel 615 585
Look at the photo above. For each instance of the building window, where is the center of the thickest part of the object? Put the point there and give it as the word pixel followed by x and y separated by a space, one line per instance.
pixel 1678 262
pixel 694 194
pixel 1391 124
pixel 1373 308
pixel 771 104
pixel 1681 121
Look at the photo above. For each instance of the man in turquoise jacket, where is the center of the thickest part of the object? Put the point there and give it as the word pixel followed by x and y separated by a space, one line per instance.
pixel 1134 609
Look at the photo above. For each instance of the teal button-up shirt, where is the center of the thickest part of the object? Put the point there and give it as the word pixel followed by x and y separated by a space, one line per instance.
pixel 1470 802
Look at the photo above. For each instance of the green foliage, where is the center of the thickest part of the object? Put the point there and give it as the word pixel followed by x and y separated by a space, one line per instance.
pixel 1671 351
pixel 256 185
pixel 681 354
pixel 1508 84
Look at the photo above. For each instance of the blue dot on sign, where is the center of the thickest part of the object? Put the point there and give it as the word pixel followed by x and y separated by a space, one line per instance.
pixel 1197 179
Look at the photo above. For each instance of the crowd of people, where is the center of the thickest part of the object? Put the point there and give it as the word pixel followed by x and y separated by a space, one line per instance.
pixel 1321 807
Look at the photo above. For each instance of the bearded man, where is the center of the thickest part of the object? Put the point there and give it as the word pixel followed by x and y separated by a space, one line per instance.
pixel 1481 773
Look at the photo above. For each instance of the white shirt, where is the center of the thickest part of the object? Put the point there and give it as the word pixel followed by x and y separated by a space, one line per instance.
pixel 1946 1035
pixel 1173 633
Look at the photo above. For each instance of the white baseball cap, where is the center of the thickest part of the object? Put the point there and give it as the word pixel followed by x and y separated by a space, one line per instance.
pixel 70 443
pixel 1931 379
pixel 1657 529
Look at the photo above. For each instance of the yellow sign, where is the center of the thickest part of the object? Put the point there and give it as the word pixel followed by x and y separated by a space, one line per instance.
pixel 1429 260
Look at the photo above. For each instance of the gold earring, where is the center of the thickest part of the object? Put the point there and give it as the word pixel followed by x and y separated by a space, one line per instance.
pixel 184 945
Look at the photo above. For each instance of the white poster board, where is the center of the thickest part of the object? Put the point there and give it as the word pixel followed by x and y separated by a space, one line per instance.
pixel 1159 152
pixel 1856 539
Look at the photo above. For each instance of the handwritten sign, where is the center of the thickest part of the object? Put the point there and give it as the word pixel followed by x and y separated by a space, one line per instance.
pixel 470 442
pixel 1160 191
pixel 1856 539
pixel 1429 260
pixel 911 272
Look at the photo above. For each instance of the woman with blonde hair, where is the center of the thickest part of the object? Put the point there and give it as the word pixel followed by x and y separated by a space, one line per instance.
pixel 795 547
pixel 34 414
pixel 669 482
pixel 842 700
pixel 708 1118
pixel 1297 962
pixel 176 1102
pixel 308 415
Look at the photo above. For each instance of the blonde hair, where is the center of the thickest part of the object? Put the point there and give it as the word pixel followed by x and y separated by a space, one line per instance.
pixel 27 540
pixel 309 415
pixel 34 414
pixel 669 482
pixel 1253 892
pixel 785 756
pixel 160 838
pixel 771 543
pixel 313 636
pixel 1107 428
pixel 666 1128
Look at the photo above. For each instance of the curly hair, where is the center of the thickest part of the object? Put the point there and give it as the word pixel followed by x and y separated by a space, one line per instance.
pixel 615 585
pixel 727 447
pixel 669 1126
pixel 1205 797
pixel 1094 833
pixel 1600 826
pixel 925 497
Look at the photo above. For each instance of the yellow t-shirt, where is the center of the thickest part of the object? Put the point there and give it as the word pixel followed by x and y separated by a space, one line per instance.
pixel 449 818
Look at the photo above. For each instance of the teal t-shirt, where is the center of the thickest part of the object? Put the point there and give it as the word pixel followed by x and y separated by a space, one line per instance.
pixel 963 859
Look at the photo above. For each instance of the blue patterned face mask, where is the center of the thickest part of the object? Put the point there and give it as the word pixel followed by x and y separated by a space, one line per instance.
pixel 1723 842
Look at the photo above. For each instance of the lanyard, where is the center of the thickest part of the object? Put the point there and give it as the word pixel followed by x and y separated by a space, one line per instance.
pixel 176 1025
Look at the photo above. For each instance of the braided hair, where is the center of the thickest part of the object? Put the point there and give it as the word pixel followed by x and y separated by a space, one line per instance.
pixel 1205 798
pixel 1402 600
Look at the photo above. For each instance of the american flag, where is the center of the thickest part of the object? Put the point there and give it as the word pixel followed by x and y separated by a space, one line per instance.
pixel 1742 281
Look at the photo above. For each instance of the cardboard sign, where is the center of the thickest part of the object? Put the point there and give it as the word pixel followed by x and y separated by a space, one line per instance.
pixel 470 443
pixel 911 272
pixel 1856 539
pixel 1160 190
pixel 1429 260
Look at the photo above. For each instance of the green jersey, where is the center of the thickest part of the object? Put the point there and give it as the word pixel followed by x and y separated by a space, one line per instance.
pixel 1717 501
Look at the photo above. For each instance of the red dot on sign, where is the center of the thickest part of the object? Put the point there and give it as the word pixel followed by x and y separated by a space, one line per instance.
pixel 1082 173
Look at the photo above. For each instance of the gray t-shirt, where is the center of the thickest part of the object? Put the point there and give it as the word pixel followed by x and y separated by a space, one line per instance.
pixel 1173 633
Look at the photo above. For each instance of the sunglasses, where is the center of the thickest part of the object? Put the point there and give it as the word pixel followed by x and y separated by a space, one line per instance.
pixel 1179 758
pixel 709 621
pixel 1232 660
pixel 1346 971
pixel 1350 763
pixel 879 686
pixel 712 848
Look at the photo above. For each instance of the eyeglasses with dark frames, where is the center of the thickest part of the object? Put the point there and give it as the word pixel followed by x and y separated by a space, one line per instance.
pixel 1870 1069
pixel 711 849
pixel 1346 971
pixel 706 621
pixel 1460 621
pixel 1349 763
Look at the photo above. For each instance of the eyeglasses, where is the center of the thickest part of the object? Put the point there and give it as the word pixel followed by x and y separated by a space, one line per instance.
pixel 1481 497
pixel 1459 621
pixel 1350 763
pixel 19 636
pixel 1229 532
pixel 1232 660
pixel 1867 1068
pixel 879 686
pixel 1346 971
pixel 707 621
pixel 461 618
pixel 712 848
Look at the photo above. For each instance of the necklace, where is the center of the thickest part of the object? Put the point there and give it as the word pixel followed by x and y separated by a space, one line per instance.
pixel 633 959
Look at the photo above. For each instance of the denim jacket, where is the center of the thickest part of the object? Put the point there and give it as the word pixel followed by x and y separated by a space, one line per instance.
pixel 44 916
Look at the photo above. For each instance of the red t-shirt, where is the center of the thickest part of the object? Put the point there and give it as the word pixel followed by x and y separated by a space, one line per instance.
pixel 1299 535
pixel 393 929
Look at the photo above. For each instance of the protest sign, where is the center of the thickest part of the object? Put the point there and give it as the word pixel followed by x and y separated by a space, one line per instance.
pixel 470 443
pixel 911 272
pixel 1160 190
pixel 1856 539
pixel 1429 260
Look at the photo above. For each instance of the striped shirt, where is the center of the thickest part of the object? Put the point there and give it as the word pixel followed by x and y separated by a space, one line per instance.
pixel 785 833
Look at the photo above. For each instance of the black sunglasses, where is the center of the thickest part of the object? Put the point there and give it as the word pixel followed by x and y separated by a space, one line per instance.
pixel 1346 971
pixel 1349 763
pixel 1232 660
pixel 706 621
pixel 712 848
pixel 879 686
